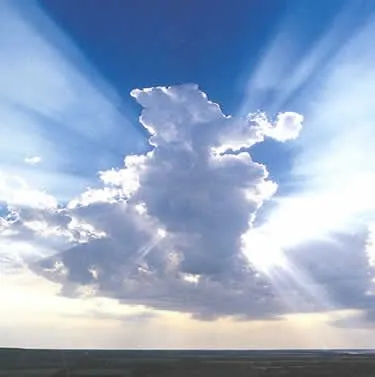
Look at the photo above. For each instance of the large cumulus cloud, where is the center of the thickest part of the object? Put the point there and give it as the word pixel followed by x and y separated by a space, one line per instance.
pixel 166 230
pixel 172 219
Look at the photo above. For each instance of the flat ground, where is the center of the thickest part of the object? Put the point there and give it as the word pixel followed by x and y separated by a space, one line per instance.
pixel 74 363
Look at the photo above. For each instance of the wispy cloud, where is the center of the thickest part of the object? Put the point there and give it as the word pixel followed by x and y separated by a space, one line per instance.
pixel 33 160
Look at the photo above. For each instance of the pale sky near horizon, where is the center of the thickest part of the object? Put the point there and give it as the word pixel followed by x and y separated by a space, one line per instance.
pixel 187 175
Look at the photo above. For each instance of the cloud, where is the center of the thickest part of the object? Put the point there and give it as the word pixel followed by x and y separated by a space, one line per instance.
pixel 33 225
pixel 288 127
pixel 15 191
pixel 165 230
pixel 33 160
pixel 174 229
pixel 358 320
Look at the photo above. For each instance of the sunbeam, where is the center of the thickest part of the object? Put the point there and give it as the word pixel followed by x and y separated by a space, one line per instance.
pixel 294 289
pixel 66 119
pixel 334 170
pixel 146 249
pixel 285 67
pixel 137 169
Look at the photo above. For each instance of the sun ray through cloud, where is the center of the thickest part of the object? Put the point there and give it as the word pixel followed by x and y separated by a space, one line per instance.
pixel 65 117
pixel 125 203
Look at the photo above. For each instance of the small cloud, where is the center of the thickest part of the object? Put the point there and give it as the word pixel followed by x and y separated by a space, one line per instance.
pixel 287 127
pixel 34 160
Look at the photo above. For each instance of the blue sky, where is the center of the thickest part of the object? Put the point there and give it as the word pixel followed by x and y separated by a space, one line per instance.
pixel 188 42
pixel 204 163
pixel 135 45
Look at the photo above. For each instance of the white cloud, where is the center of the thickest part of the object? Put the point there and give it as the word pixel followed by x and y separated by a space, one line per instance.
pixel 15 191
pixel 172 223
pixel 33 160
pixel 288 127
pixel 172 219
pixel 33 225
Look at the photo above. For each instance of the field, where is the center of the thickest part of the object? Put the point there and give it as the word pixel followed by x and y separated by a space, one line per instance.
pixel 89 363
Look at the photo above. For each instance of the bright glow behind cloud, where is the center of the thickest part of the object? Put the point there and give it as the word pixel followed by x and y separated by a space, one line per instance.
pixel 334 176
pixel 334 171
pixel 337 162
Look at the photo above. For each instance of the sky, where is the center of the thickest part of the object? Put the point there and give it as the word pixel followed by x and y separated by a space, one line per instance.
pixel 187 174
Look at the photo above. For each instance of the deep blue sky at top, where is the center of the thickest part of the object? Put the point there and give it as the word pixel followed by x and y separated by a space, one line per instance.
pixel 216 44
pixel 164 42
